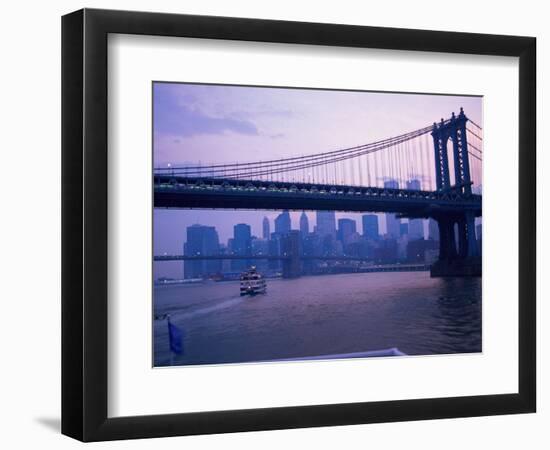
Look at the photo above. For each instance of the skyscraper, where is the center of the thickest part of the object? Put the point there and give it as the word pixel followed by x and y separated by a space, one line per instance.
pixel 282 223
pixel 416 226
pixel 433 230
pixel 391 184
pixel 393 226
pixel 346 228
pixel 242 245
pixel 326 223
pixel 414 185
pixel 370 226
pixel 416 229
pixel 392 222
pixel 241 239
pixel 265 228
pixel 304 224
pixel 201 241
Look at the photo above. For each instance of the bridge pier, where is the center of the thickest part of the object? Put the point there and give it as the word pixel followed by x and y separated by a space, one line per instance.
pixel 290 246
pixel 470 222
pixel 464 261
pixel 468 267
pixel 447 242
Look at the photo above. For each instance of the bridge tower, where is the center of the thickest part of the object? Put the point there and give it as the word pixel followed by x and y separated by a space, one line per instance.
pixel 463 260
pixel 291 250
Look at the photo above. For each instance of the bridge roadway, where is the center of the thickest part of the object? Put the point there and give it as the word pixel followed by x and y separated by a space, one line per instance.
pixel 184 192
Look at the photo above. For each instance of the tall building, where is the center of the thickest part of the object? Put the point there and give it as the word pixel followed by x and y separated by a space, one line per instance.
pixel 393 226
pixel 404 229
pixel 265 228
pixel 416 226
pixel 242 238
pixel 346 228
pixel 326 223
pixel 414 185
pixel 304 224
pixel 433 230
pixel 259 246
pixel 416 229
pixel 201 241
pixel 242 245
pixel 282 223
pixel 393 229
pixel 391 184
pixel 370 226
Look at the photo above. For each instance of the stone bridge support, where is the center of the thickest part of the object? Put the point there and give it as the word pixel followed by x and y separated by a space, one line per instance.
pixel 458 251
pixel 291 249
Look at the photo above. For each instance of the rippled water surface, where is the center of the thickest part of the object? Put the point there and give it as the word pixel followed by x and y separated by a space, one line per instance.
pixel 321 315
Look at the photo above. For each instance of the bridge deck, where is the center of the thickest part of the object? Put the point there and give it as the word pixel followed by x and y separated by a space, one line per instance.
pixel 182 192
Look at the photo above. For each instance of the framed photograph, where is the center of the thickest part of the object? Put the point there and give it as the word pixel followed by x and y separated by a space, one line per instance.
pixel 273 224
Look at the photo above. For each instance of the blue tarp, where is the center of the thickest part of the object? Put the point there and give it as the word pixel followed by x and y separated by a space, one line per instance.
pixel 176 338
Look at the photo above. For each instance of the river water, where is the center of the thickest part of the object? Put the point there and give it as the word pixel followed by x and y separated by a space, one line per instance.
pixel 320 315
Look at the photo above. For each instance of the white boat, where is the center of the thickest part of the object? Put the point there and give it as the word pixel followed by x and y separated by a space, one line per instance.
pixel 252 282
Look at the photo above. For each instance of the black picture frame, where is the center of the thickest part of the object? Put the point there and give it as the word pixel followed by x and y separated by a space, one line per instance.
pixel 84 224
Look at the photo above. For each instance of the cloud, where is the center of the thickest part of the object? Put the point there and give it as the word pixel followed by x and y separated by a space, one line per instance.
pixel 178 116
pixel 264 111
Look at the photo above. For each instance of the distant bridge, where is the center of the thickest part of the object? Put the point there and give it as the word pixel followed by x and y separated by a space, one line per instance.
pixel 290 270
pixel 255 257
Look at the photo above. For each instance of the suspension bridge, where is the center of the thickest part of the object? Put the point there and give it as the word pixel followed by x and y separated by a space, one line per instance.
pixel 414 175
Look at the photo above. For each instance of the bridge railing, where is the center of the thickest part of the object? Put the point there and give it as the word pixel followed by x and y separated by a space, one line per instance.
pixel 174 183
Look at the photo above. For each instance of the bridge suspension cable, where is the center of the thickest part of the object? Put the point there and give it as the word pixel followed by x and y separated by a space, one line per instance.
pixel 475 150
pixel 407 159
pixel 474 124
pixel 293 163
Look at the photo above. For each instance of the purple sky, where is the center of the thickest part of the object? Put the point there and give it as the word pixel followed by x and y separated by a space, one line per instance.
pixel 221 124
pixel 216 124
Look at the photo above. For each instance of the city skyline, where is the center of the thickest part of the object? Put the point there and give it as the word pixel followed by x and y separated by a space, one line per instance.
pixel 185 218
pixel 340 225
pixel 165 220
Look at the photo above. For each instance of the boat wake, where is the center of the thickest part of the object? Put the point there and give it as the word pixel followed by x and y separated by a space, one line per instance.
pixel 202 311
